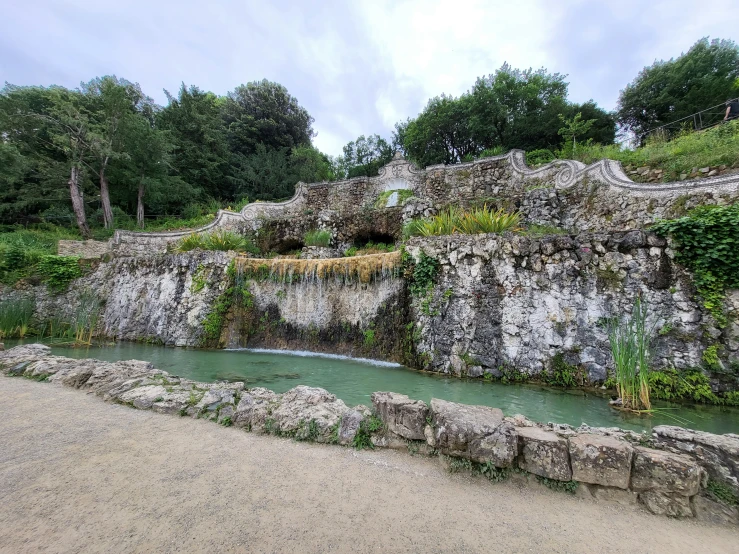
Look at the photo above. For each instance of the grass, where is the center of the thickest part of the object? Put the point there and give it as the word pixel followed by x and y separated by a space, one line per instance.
pixel 80 326
pixel 317 237
pixel 369 248
pixel 471 222
pixel 15 317
pixel 713 147
pixel 630 340
pixel 363 437
pixel 217 240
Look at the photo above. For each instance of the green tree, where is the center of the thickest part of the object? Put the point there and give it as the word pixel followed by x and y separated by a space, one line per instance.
pixel 572 128
pixel 365 156
pixel 667 91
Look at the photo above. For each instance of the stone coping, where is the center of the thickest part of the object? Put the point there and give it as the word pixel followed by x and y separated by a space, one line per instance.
pixel 667 477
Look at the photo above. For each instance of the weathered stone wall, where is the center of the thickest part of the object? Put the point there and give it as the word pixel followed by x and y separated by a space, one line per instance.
pixel 86 249
pixel 508 301
pixel 670 474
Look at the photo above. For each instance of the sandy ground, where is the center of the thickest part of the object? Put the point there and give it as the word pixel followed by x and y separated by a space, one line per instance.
pixel 80 475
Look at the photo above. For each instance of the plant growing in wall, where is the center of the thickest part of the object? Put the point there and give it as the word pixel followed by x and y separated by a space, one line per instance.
pixel 317 237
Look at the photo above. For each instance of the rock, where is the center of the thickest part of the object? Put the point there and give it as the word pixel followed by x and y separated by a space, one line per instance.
pixel 618 496
pixel 664 504
pixel 226 413
pixel 143 397
pixel 552 244
pixel 717 454
pixel 704 169
pixel 215 397
pixel 631 240
pixel 601 460
pixel 308 413
pixel 255 406
pixel 707 509
pixel 400 414
pixel 477 433
pixel 664 472
pixel 543 453
pixel 172 402
pixel 22 354
pixel 350 423
pixel 2 346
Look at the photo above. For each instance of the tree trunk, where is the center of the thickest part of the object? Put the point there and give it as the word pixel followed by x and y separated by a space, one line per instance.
pixel 77 203
pixel 105 197
pixel 140 205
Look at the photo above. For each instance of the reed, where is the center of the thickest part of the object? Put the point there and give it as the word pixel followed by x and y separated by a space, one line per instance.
pixel 630 341
pixel 80 326
pixel 317 237
pixel 15 317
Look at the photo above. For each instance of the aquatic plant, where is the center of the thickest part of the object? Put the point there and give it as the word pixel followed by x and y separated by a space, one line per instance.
pixel 630 340
pixel 79 327
pixel 15 317
pixel 317 237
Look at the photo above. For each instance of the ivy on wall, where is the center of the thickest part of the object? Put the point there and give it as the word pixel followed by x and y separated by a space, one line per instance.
pixel 707 243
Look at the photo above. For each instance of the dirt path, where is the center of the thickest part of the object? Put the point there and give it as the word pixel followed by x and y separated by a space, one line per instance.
pixel 80 475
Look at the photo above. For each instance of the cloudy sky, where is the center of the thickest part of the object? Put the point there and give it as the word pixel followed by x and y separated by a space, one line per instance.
pixel 358 66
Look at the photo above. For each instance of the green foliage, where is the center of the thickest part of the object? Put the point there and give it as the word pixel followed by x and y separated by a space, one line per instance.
pixel 561 373
pixel 15 317
pixel 569 487
pixel 670 90
pixel 710 357
pixel 368 426
pixel 421 274
pixel 572 128
pixel 317 237
pixel 708 244
pixel 363 157
pixel 722 493
pixel 80 325
pixel 493 473
pixel 226 421
pixel 630 342
pixel 217 240
pixel 690 385
pixel 453 220
pixel 369 338
pixel 199 279
pixel 59 271
pixel 307 431
pixel 457 465
pixel 539 157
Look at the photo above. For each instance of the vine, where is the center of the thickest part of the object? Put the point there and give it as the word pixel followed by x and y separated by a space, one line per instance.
pixel 421 274
pixel 707 241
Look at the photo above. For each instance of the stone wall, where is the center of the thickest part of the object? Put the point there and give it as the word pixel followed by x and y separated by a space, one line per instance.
pixel 508 301
pixel 86 249
pixel 670 474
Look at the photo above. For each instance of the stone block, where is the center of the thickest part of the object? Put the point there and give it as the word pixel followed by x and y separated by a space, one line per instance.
pixel 707 509
pixel 349 426
pixel 601 460
pixel 617 496
pixel 543 453
pixel 666 504
pixel 401 415
pixel 477 433
pixel 665 472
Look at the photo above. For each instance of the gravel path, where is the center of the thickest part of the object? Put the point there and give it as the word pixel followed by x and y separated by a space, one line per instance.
pixel 80 475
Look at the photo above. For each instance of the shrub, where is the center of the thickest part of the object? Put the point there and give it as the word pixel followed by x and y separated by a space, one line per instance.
pixel 453 220
pixel 59 271
pixel 217 240
pixel 539 157
pixel 317 237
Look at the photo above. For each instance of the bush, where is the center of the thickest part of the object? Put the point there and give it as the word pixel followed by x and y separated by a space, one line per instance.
pixel 217 240
pixel 539 157
pixel 59 271
pixel 453 220
pixel 317 237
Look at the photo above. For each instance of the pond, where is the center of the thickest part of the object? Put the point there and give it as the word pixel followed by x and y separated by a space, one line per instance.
pixel 355 380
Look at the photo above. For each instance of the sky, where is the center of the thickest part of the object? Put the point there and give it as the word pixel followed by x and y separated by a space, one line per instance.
pixel 357 66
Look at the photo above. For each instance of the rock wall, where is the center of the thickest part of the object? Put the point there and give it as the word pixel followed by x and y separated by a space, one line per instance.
pixel 675 473
pixel 508 301
pixel 86 249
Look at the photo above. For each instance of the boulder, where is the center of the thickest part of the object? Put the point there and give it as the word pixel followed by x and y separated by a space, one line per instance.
pixel 543 453
pixel 717 454
pixel 601 460
pixel 308 413
pixel 22 355
pixel 618 496
pixel 707 509
pixel 226 413
pixel 144 397
pixel 255 406
pixel 349 426
pixel 665 472
pixel 400 414
pixel 172 402
pixel 666 504
pixel 477 433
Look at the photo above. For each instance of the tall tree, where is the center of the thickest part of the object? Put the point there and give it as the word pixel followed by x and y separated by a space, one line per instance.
pixel 667 91
pixel 366 155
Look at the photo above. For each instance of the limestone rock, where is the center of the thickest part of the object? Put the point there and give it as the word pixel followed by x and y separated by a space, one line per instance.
pixel 22 354
pixel 477 433
pixel 664 472
pixel 304 409
pixel 350 423
pixel 707 509
pixel 618 496
pixel 665 504
pixel 543 453
pixel 400 414
pixel 143 397
pixel 226 413
pixel 601 460
pixel 255 406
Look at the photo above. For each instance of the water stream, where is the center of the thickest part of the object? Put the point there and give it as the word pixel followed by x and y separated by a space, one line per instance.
pixel 355 380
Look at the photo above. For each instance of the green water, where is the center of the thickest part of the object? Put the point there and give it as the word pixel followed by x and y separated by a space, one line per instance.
pixel 354 381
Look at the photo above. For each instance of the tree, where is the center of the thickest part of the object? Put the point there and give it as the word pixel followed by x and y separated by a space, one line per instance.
pixel 263 112
pixel 201 156
pixel 572 128
pixel 667 91
pixel 365 156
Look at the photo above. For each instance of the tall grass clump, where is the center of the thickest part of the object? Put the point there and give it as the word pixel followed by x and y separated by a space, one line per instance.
pixel 79 327
pixel 630 342
pixel 471 222
pixel 15 317
pixel 317 237
pixel 217 240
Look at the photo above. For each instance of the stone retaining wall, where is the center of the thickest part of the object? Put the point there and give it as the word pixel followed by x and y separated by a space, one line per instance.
pixel 86 249
pixel 668 477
